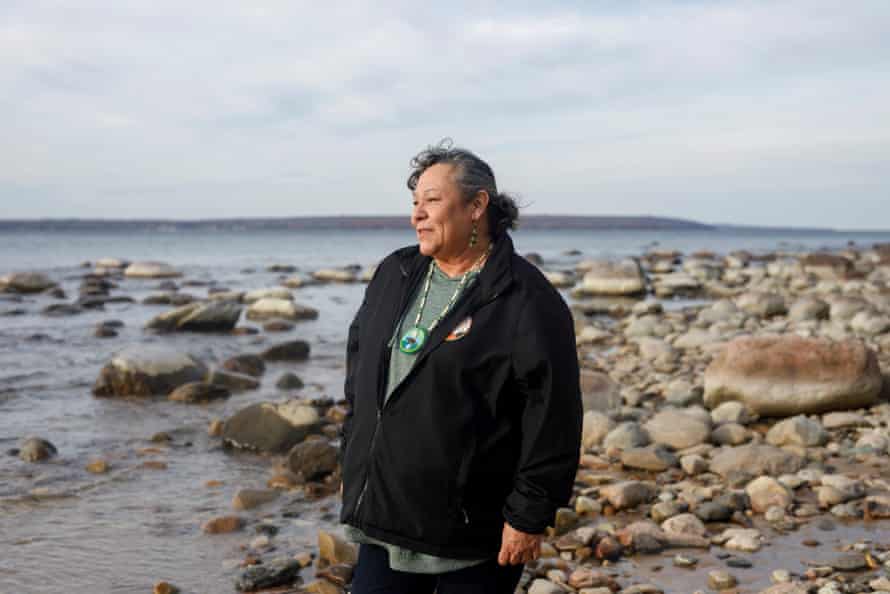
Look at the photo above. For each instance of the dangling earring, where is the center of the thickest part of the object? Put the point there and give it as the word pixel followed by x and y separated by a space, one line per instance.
pixel 474 235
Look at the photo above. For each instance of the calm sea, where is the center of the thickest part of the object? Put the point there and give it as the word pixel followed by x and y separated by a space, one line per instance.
pixel 63 529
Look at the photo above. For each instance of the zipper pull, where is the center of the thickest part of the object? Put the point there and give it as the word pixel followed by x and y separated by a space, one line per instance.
pixel 466 517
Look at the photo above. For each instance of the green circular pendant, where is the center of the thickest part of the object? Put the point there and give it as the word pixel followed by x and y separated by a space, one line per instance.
pixel 412 341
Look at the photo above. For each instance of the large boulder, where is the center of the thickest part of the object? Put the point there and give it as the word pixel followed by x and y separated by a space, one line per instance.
pixel 148 370
pixel 273 307
pixel 151 270
pixel 269 427
pixel 25 282
pixel 790 375
pixel 604 277
pixel 213 316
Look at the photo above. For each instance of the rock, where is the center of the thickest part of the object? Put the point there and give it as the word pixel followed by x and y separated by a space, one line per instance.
pixel 742 539
pixel 314 459
pixel 721 580
pixel 35 449
pixel 271 293
pixel 765 492
pixel 277 572
pixel 755 460
pixel 788 375
pixel 643 536
pixel 595 428
pixel 761 304
pixel 321 586
pixel 797 430
pixel 270 307
pixel 198 392
pixel 695 338
pixel 147 370
pixel 733 411
pixel 236 382
pixel 808 308
pixel 625 436
pixel 165 588
pixel 839 420
pixel 565 519
pixel 642 589
pixel 336 275
pixel 846 487
pixel 151 270
pixel 251 498
pixel 334 549
pixel 684 524
pixel 223 525
pixel 599 392
pixel 25 282
pixel 653 458
pixel 98 467
pixel 655 348
pixel 612 278
pixel 870 323
pixel 270 428
pixel 789 588
pixel 542 586
pixel 628 494
pixel 730 434
pixel 294 350
pixel 289 381
pixel 875 441
pixel 213 316
pixel 713 511
pixel 693 464
pixel 677 429
pixel 252 365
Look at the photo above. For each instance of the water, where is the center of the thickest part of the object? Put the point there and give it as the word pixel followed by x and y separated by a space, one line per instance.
pixel 62 528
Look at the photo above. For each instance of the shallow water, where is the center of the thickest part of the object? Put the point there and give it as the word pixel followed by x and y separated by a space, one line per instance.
pixel 63 529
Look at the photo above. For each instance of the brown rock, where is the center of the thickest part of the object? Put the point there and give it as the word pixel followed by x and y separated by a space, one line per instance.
pixel 250 498
pixel 98 467
pixel 789 375
pixel 334 549
pixel 223 525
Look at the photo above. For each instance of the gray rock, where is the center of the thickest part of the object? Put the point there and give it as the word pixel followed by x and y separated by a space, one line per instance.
pixel 271 574
pixel 612 278
pixel 147 370
pixel 599 392
pixel 713 511
pixel 730 434
pixel 289 381
pixel 247 364
pixel 756 460
pixel 269 427
pixel 761 304
pixel 236 382
pixel 721 580
pixel 198 392
pixel 733 411
pixel 693 464
pixel 625 436
pixel 838 420
pixel 677 429
pixel 313 459
pixel 274 308
pixel 25 282
pixel 808 308
pixel 628 494
pixel 653 458
pixel 151 270
pixel 799 431
pixel 35 449
pixel 595 428
pixel 295 350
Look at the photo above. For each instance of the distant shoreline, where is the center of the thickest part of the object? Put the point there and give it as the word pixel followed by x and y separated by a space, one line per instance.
pixel 533 222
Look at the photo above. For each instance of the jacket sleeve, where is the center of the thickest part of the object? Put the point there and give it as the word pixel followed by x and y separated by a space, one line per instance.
pixel 545 363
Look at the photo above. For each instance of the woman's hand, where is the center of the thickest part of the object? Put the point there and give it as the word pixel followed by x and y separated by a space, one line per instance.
pixel 518 547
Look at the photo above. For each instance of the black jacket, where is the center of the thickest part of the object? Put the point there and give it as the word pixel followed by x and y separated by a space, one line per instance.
pixel 483 429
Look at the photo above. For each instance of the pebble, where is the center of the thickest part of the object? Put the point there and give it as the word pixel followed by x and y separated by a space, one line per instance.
pixel 721 580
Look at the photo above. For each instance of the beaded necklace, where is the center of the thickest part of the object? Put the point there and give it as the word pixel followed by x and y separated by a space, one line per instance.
pixel 414 339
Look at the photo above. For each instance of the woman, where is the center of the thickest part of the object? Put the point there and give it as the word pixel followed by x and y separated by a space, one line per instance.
pixel 462 378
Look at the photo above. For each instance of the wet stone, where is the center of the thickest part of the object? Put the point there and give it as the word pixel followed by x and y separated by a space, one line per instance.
pixel 278 572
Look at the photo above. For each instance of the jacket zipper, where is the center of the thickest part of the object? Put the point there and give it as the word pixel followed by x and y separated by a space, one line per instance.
pixel 380 408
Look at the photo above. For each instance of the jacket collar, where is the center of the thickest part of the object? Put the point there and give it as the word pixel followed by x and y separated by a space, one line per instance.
pixel 496 275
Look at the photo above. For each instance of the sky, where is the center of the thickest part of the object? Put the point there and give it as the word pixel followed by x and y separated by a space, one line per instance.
pixel 748 112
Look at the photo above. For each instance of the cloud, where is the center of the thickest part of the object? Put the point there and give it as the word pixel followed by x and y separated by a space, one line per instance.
pixel 737 112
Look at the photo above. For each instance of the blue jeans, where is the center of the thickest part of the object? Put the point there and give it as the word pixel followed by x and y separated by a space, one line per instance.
pixel 372 575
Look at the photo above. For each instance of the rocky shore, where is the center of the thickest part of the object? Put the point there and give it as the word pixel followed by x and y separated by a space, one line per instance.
pixel 737 407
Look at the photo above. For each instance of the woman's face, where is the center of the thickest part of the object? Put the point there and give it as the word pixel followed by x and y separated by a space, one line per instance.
pixel 442 220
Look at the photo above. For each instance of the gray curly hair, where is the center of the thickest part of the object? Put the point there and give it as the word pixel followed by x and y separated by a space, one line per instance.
pixel 472 175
